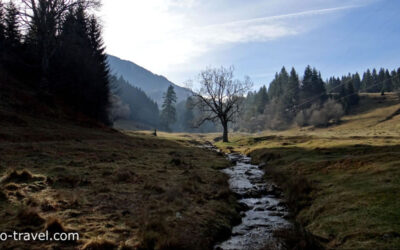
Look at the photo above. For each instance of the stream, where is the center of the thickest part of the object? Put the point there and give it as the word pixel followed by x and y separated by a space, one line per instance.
pixel 264 212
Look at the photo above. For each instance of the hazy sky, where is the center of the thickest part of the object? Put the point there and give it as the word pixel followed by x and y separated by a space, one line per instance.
pixel 178 38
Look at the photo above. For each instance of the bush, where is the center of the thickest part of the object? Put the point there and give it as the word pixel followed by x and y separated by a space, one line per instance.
pixel 276 116
pixel 301 119
pixel 330 112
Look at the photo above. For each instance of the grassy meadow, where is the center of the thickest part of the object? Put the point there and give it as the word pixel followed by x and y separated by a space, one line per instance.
pixel 117 190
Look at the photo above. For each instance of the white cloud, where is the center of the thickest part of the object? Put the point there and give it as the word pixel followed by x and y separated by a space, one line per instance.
pixel 167 35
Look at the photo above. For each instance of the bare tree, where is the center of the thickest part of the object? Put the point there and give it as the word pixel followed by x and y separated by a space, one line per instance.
pixel 44 19
pixel 219 96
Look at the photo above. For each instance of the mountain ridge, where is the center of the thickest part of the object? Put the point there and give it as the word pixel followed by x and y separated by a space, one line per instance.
pixel 152 84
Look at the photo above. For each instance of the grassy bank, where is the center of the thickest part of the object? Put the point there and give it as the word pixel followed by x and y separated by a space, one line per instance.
pixel 115 189
pixel 342 182
pixel 345 195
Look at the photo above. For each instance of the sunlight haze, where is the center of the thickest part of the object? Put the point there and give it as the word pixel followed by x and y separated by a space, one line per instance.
pixel 179 38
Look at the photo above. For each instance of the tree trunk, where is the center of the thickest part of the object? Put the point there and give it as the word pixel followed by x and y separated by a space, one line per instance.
pixel 225 133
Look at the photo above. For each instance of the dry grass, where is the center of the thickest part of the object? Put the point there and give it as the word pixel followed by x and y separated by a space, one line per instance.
pixel 342 182
pixel 99 244
pixel 102 183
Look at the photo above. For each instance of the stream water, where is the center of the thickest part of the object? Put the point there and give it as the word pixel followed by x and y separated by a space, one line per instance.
pixel 264 212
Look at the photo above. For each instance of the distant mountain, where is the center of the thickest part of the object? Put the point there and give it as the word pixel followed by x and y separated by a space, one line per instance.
pixel 153 85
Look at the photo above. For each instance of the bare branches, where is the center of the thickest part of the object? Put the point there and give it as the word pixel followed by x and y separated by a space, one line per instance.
pixel 34 10
pixel 219 96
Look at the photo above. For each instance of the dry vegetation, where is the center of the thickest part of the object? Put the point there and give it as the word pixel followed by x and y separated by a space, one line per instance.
pixel 342 182
pixel 117 190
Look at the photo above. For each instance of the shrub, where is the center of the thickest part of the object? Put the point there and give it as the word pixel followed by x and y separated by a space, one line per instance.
pixel 331 111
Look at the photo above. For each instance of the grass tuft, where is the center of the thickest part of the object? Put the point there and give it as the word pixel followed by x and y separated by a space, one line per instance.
pixel 54 225
pixel 22 176
pixel 99 244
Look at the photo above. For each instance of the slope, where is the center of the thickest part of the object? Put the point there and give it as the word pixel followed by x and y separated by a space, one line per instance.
pixel 64 173
pixel 341 182
pixel 153 85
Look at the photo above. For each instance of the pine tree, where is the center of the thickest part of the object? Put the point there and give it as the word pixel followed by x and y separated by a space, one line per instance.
pixel 313 88
pixel 356 82
pixel 168 113
pixel 12 34
pixel 367 81
pixel 283 81
pixel 261 99
pixel 351 94
pixel 395 75
pixel 375 87
pixel 306 86
pixel 291 95
pixel 273 90
pixel 80 69
pixel 101 71
pixel 387 82
pixel 319 86
pixel 381 81
pixel 2 30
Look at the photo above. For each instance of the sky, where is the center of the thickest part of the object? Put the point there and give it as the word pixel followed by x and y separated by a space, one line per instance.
pixel 180 38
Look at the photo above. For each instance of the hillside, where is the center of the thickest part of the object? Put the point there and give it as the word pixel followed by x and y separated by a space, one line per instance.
pixel 153 85
pixel 62 172
pixel 342 181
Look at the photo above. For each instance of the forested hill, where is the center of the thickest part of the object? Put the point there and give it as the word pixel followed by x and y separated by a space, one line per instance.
pixel 131 103
pixel 153 85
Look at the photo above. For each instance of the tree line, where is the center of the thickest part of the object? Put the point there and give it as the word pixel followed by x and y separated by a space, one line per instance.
pixel 373 81
pixel 56 47
pixel 309 100
pixel 131 103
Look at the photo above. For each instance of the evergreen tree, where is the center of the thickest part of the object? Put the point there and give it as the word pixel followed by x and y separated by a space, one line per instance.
pixel 100 76
pixel 168 113
pixel 333 85
pixel 2 30
pixel 395 75
pixel 387 82
pixel 12 34
pixel 273 90
pixel 367 81
pixel 376 86
pixel 313 88
pixel 291 95
pixel 261 99
pixel 81 70
pixel 283 81
pixel 306 85
pixel 356 82
pixel 319 86
pixel 351 94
